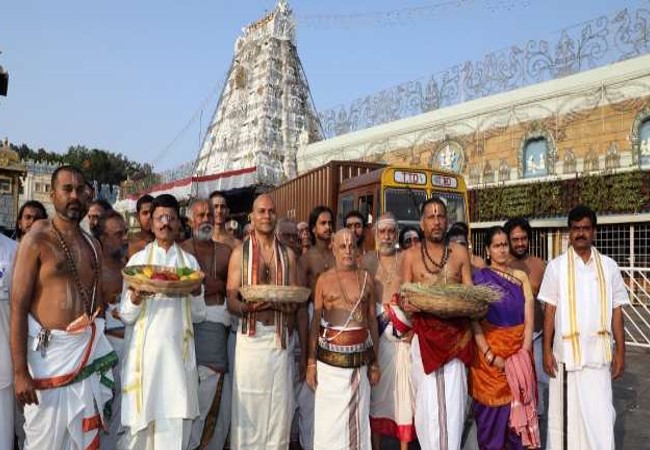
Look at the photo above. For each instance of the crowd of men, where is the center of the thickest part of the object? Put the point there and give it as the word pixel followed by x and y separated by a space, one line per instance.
pixel 87 361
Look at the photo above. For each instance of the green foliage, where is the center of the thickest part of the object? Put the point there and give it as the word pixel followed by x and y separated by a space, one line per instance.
pixel 623 193
pixel 99 165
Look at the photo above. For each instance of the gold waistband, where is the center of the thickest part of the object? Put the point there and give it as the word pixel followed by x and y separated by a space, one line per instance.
pixel 345 360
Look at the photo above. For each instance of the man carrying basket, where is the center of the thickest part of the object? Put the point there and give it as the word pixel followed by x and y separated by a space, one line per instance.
pixel 441 348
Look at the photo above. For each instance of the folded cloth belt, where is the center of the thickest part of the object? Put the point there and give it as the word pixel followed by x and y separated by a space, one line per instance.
pixel 345 348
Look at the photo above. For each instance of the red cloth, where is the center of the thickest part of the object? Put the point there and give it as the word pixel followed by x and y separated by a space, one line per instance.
pixel 443 340
pixel 523 408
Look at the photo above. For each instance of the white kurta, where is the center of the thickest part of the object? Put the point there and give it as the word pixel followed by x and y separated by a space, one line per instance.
pixel 7 253
pixel 591 412
pixel 159 373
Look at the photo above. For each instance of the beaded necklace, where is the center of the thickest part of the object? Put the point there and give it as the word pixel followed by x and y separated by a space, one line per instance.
pixel 440 265
pixel 72 267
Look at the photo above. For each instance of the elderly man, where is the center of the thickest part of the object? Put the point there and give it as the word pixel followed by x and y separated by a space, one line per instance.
pixel 286 232
pixel 62 360
pixel 304 236
pixel 391 402
pixel 30 212
pixel 7 254
pixel 210 429
pixel 262 403
pixel 139 240
pixel 111 230
pixel 159 375
pixel 344 341
pixel 96 209
pixel 583 291
pixel 221 211
pixel 440 349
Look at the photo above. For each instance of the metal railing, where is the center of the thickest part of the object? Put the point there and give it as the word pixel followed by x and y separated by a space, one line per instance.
pixel 637 315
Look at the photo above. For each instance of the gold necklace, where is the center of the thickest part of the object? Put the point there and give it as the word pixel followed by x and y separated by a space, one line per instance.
pixel 357 312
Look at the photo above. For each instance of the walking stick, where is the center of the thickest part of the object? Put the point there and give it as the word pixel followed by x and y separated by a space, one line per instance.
pixel 565 421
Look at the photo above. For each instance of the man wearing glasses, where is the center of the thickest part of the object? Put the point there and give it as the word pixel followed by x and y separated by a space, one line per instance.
pixel 160 378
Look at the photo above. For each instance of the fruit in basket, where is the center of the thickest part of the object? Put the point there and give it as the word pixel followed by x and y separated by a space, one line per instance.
pixel 146 273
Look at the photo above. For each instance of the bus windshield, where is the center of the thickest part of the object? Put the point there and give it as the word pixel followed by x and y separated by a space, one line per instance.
pixel 455 206
pixel 404 203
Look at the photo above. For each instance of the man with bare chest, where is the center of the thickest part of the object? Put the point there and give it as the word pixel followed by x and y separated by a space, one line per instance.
pixel 519 234
pixel 220 210
pixel 62 360
pixel 316 260
pixel 343 343
pixel 139 240
pixel 391 401
pixel 111 231
pixel 262 402
pixel 211 335
pixel 440 349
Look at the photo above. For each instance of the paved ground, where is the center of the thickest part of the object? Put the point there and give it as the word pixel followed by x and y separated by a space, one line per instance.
pixel 631 400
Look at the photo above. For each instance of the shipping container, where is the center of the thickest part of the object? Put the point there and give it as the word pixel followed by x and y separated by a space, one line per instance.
pixel 296 198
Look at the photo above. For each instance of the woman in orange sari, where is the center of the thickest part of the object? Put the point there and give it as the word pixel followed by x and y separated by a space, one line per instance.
pixel 506 332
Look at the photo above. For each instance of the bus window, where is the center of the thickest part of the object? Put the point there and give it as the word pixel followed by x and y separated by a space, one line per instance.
pixel 404 203
pixel 366 207
pixel 455 206
pixel 346 204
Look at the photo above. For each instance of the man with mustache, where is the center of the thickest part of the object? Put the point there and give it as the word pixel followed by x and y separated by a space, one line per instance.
pixel 30 212
pixel 111 231
pixel 391 402
pixel 356 222
pixel 61 359
pixel 441 348
pixel 221 211
pixel 584 293
pixel 210 429
pixel 263 375
pixel 140 239
pixel 96 209
pixel 304 236
pixel 318 259
pixel 159 375
pixel 519 234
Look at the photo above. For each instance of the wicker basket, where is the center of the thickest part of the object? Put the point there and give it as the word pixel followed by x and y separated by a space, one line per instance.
pixel 178 288
pixel 452 300
pixel 273 293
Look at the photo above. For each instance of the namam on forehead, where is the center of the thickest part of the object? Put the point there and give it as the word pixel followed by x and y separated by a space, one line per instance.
pixel 345 236
pixel 263 201
pixel 387 220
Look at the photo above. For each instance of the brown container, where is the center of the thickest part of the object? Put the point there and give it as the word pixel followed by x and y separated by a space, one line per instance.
pixel 296 198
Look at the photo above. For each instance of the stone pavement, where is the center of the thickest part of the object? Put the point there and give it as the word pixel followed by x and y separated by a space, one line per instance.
pixel 631 400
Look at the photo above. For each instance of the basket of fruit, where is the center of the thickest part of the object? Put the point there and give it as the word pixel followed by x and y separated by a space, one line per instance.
pixel 273 293
pixel 171 281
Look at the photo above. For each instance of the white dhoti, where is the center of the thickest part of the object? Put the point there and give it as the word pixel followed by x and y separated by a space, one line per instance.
pixel 440 399
pixel 110 437
pixel 215 393
pixel 7 418
pixel 342 408
pixel 161 434
pixel 391 400
pixel 74 382
pixel 590 411
pixel 262 400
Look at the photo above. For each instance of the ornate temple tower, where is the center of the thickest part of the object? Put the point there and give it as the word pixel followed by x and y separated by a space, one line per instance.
pixel 265 111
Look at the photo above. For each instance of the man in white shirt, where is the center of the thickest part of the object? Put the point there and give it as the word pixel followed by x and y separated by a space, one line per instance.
pixel 159 373
pixel 7 253
pixel 583 291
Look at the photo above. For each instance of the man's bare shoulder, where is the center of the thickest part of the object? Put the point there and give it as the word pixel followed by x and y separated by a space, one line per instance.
pixel 458 251
pixel 536 263
pixel 236 253
pixel 40 232
pixel 187 246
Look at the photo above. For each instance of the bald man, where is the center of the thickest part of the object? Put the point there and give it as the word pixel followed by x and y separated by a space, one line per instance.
pixel 343 348
pixel 262 398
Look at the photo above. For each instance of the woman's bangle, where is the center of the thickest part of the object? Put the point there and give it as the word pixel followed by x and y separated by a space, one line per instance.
pixel 311 365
